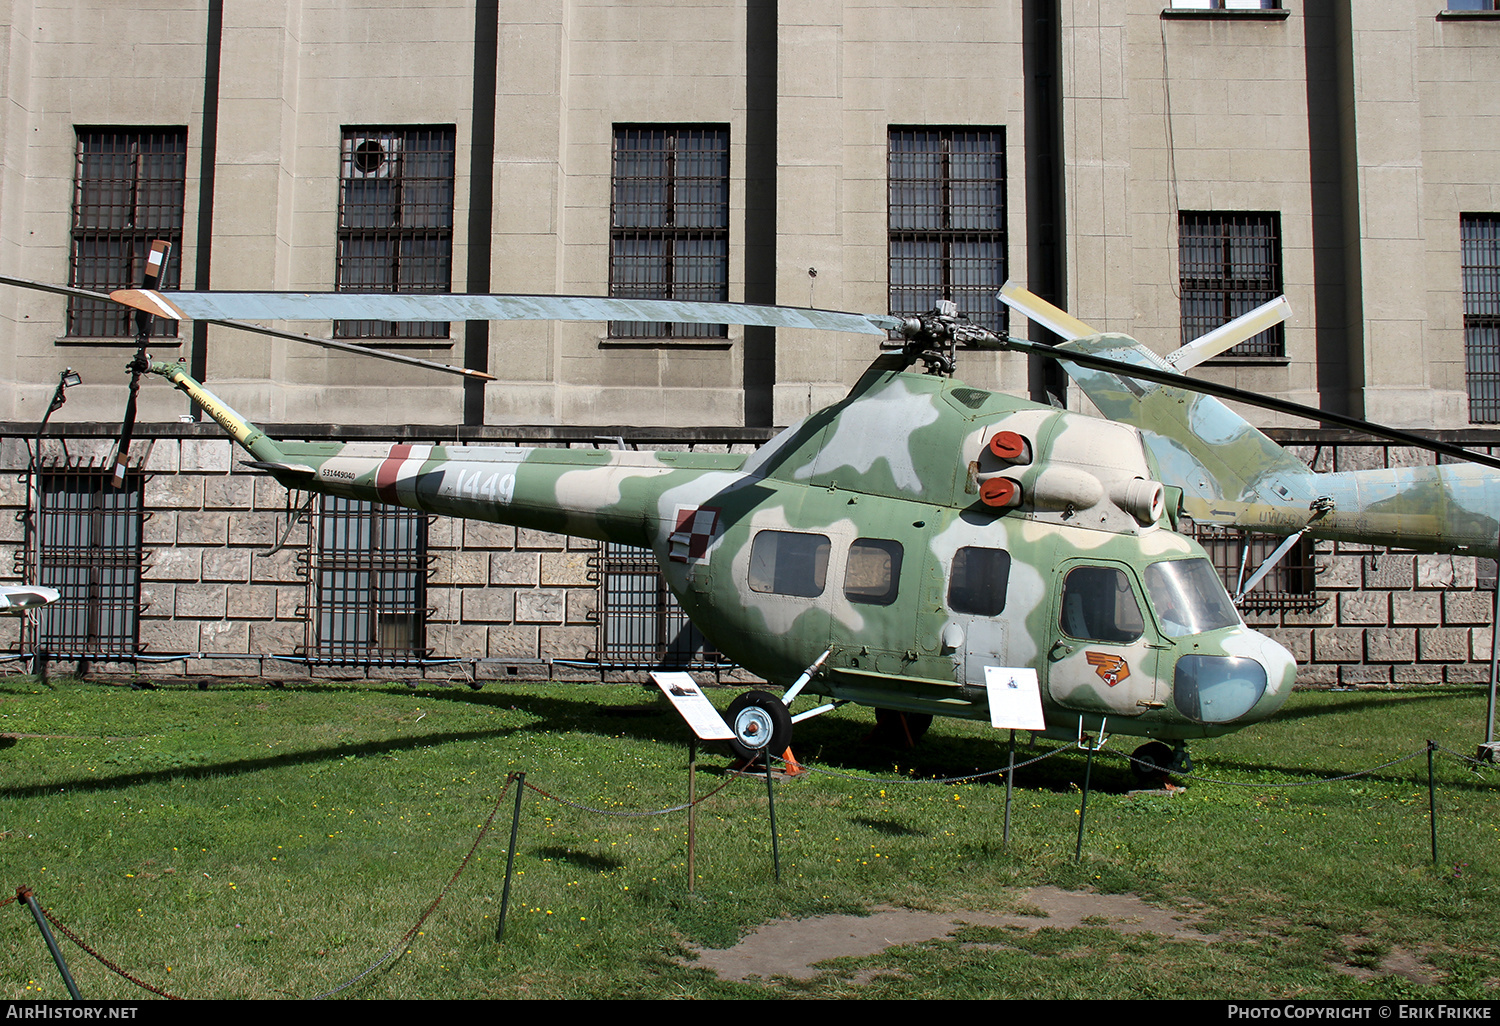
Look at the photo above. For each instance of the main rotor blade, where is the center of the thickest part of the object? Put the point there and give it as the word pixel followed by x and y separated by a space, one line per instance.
pixel 326 343
pixel 1256 399
pixel 1037 309
pixel 61 290
pixel 349 347
pixel 1246 325
pixel 407 306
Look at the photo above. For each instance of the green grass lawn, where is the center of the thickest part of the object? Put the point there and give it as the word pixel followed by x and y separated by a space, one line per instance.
pixel 249 841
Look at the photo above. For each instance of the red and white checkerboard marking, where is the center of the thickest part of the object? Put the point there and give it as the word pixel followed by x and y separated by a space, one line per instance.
pixel 695 530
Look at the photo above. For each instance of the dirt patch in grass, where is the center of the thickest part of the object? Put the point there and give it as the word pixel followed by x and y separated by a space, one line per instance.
pixel 792 948
pixel 1365 963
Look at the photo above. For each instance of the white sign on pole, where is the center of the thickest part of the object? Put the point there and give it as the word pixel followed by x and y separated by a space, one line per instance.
pixel 1015 698
pixel 691 704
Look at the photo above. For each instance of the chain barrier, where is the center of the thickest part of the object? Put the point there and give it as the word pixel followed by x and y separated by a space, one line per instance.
pixel 628 815
pixel 499 801
pixel 933 780
pixel 23 892
pixel 1273 787
pixel 417 926
pixel 1461 757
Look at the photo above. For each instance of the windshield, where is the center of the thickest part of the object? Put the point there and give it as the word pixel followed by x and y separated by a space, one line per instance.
pixel 1188 597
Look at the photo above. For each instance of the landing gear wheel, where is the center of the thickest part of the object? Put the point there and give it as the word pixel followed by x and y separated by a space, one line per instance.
pixel 903 730
pixel 1152 762
pixel 760 723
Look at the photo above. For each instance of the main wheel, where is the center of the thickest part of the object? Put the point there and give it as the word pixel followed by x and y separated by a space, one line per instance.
pixel 760 723
pixel 1151 764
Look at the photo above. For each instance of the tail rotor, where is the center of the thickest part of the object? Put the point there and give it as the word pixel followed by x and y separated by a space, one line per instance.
pixel 144 321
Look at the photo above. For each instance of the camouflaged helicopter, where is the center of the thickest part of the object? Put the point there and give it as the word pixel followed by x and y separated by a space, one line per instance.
pixel 887 568
pixel 888 548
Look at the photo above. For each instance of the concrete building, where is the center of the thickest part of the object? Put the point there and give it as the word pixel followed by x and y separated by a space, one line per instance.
pixel 1153 165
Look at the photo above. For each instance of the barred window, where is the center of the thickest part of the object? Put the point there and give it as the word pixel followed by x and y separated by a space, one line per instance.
pixel 640 622
pixel 947 221
pixel 1229 264
pixel 1236 554
pixel 669 217
pixel 369 583
pixel 1481 271
pixel 128 191
pixel 1225 5
pixel 90 551
pixel 395 221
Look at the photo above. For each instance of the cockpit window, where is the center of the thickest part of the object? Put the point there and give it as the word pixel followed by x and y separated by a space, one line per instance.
pixel 1188 597
pixel 1099 605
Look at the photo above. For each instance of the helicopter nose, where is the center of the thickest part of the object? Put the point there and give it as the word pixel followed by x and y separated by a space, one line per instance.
pixel 1248 681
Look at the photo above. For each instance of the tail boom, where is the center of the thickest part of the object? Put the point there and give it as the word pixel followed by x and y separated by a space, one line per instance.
pixel 607 495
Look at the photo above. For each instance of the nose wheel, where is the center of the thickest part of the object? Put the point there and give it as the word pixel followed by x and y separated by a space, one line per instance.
pixel 760 723
pixel 1153 761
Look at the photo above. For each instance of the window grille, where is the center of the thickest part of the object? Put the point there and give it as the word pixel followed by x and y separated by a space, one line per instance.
pixel 1229 264
pixel 1225 5
pixel 640 622
pixel 1291 584
pixel 947 221
pixel 395 221
pixel 369 583
pixel 669 217
pixel 1481 271
pixel 90 535
pixel 128 191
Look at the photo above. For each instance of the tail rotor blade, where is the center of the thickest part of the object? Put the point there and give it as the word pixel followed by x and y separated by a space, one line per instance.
pixel 156 263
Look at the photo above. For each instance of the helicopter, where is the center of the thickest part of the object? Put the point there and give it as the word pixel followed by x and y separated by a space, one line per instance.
pixel 888 549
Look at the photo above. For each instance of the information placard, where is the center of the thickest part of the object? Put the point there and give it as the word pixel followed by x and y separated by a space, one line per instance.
pixel 692 705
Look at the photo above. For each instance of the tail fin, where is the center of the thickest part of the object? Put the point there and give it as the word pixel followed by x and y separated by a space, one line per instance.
pixel 268 455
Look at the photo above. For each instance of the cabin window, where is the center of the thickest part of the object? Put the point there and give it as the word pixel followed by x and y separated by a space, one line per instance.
pixel 90 551
pixel 369 583
pixel 1098 604
pixel 946 211
pixel 1481 273
pixel 978 581
pixel 669 218
pixel 128 191
pixel 1229 263
pixel 789 563
pixel 873 572
pixel 395 221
